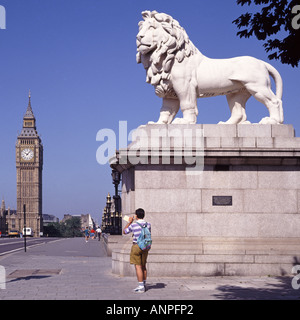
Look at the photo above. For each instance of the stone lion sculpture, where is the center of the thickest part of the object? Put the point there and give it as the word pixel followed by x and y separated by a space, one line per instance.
pixel 180 74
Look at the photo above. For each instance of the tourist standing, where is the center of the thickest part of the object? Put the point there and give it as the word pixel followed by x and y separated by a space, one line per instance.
pixel 138 257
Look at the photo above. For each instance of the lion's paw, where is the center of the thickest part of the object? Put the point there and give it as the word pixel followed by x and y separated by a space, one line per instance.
pixel 245 122
pixel 180 121
pixel 228 122
pixel 268 120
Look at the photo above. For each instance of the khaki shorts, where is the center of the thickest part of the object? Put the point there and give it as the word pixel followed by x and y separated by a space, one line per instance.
pixel 138 256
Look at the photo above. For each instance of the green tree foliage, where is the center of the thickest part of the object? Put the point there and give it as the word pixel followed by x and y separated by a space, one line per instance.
pixel 68 229
pixel 73 227
pixel 52 230
pixel 274 18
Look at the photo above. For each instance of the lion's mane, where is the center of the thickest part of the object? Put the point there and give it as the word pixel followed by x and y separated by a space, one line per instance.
pixel 175 46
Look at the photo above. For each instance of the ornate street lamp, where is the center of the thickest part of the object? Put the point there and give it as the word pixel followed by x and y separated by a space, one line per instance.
pixel 116 177
pixel 108 207
pixel 103 225
pixel 119 220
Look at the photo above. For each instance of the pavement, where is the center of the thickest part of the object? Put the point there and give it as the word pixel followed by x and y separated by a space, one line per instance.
pixel 71 269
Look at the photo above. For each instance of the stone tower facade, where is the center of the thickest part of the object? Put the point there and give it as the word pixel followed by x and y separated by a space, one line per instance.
pixel 29 163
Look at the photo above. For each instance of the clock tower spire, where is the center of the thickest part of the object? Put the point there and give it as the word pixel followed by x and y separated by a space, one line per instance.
pixel 29 163
pixel 29 118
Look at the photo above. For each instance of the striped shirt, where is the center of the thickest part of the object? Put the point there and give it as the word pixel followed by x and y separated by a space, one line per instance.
pixel 136 229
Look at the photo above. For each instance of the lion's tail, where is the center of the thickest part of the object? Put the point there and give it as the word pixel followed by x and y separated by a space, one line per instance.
pixel 277 78
pixel 279 86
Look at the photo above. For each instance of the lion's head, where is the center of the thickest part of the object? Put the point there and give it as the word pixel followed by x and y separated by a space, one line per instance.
pixel 160 41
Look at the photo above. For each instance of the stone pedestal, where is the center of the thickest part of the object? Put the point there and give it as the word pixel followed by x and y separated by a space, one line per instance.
pixel 111 242
pixel 240 215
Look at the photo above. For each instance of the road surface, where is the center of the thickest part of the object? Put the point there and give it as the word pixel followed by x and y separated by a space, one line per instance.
pixel 10 245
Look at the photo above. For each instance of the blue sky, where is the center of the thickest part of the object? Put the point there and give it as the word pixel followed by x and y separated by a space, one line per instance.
pixel 78 59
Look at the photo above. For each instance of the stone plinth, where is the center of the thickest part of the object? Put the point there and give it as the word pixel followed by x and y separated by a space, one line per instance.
pixel 111 242
pixel 184 256
pixel 239 215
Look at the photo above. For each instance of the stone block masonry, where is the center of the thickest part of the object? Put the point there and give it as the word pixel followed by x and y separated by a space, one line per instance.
pixel 255 167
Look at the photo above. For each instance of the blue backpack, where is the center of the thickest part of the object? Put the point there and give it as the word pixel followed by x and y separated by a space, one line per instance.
pixel 144 240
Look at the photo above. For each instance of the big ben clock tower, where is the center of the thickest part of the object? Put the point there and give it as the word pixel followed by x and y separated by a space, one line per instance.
pixel 29 162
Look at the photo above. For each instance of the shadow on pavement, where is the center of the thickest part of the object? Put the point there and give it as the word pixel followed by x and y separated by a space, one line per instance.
pixel 28 278
pixel 156 286
pixel 282 290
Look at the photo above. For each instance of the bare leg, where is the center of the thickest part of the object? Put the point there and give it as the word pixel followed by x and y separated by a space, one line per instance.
pixel 144 273
pixel 141 273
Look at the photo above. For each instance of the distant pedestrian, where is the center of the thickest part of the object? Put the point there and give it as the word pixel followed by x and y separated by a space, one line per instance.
pixel 87 234
pixel 138 257
pixel 92 234
pixel 98 230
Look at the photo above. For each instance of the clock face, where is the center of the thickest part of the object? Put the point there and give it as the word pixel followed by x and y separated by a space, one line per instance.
pixel 27 154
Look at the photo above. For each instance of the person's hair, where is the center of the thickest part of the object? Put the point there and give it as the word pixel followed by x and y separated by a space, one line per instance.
pixel 140 213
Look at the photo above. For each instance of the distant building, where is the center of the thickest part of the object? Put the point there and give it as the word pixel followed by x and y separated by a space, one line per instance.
pixel 49 218
pixel 8 219
pixel 3 218
pixel 86 219
pixel 29 164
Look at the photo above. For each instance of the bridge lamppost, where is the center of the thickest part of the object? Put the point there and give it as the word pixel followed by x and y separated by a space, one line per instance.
pixel 103 225
pixel 108 207
pixel 116 177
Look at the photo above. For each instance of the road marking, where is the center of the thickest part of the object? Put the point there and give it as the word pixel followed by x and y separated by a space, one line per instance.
pixel 30 246
pixel 20 241
pixel 11 251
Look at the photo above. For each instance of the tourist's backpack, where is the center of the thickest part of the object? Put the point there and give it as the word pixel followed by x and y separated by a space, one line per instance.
pixel 144 240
